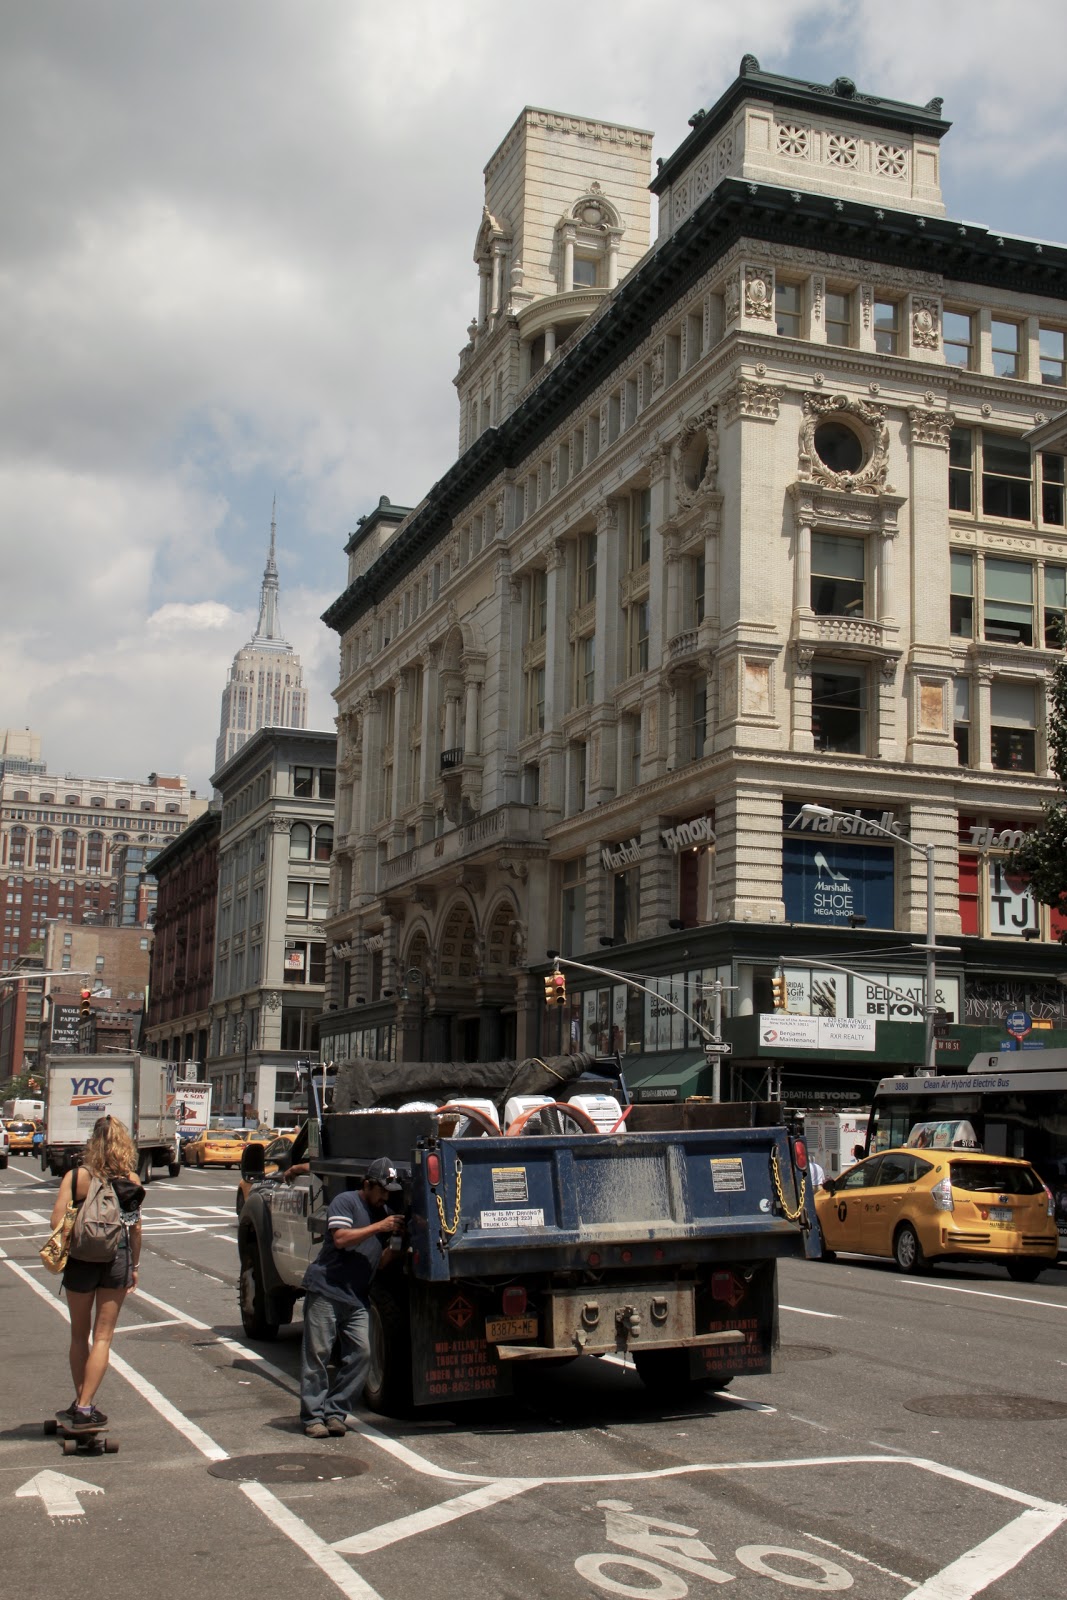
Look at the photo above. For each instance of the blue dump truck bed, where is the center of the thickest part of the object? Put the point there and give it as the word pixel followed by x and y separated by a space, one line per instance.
pixel 658 1244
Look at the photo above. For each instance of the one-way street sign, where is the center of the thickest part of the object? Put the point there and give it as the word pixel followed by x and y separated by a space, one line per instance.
pixel 718 1047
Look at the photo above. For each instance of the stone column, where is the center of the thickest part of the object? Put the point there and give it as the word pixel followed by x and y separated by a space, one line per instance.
pixel 802 572
pixel 982 719
pixel 673 562
pixel 800 734
pixel 550 344
pixel 613 258
pixel 471 729
pixel 660 626
pixel 568 260
pixel 886 596
pixel 658 868
pixel 498 280
pixel 452 702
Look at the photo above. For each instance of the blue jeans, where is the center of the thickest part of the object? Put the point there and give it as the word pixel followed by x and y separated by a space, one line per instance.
pixel 328 1323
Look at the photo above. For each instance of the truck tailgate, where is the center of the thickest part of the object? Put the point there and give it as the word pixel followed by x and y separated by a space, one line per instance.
pixel 547 1202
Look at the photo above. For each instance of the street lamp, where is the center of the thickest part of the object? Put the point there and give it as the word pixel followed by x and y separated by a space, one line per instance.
pixel 930 947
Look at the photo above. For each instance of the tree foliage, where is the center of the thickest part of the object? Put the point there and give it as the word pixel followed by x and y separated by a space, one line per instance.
pixel 1043 853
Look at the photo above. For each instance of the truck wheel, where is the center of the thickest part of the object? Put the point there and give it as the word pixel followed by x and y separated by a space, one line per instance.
pixel 174 1169
pixel 144 1168
pixel 666 1373
pixel 1025 1271
pixel 255 1305
pixel 388 1386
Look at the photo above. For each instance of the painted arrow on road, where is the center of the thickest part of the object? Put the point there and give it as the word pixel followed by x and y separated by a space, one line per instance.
pixel 58 1493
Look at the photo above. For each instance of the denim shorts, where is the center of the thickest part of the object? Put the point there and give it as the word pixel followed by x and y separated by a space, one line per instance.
pixel 85 1277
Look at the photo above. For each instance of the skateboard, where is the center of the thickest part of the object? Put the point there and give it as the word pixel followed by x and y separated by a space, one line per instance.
pixel 90 1441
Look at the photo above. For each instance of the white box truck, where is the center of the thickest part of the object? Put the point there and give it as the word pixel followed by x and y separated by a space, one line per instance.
pixel 832 1136
pixel 138 1090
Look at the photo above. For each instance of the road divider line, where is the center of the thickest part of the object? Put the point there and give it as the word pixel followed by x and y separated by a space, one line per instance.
pixel 994 1558
pixel 802 1311
pixel 38 1218
pixel 986 1294
pixel 854 1555
pixel 140 1327
pixel 387 1533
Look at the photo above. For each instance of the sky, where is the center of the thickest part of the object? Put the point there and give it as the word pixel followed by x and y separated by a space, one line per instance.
pixel 237 262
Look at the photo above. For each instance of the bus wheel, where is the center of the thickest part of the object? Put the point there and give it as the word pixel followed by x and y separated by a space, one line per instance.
pixel 907 1251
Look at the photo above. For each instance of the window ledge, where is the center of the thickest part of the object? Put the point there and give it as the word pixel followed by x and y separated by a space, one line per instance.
pixel 858 635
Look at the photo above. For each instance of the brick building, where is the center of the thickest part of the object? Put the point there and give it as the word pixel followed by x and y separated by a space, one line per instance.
pixel 186 874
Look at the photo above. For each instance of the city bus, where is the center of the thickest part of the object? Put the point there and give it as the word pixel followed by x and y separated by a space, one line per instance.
pixel 1016 1105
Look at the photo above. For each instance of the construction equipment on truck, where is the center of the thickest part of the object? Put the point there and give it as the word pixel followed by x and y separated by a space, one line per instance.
pixel 543 1223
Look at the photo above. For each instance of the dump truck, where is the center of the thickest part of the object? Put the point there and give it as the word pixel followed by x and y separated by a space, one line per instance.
pixel 546 1218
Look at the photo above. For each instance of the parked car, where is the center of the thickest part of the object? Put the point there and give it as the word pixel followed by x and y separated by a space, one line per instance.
pixel 919 1206
pixel 272 1156
pixel 214 1147
pixel 4 1146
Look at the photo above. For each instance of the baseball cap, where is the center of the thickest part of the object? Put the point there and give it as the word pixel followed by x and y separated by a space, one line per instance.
pixel 382 1171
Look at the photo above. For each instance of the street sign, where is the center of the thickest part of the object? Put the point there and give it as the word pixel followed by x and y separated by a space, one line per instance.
pixel 718 1047
pixel 1018 1023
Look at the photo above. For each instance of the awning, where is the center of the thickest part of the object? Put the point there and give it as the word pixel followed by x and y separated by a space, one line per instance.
pixel 666 1076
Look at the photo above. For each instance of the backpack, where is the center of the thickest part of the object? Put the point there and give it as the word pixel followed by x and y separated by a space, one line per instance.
pixel 98 1228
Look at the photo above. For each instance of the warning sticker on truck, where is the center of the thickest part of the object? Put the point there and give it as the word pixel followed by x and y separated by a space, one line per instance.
pixel 727 1175
pixel 509 1185
pixel 513 1217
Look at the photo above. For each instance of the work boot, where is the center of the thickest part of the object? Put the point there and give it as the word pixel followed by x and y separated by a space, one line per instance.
pixel 335 1427
pixel 317 1430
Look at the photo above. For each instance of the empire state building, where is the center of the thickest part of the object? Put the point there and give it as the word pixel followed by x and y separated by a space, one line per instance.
pixel 265 688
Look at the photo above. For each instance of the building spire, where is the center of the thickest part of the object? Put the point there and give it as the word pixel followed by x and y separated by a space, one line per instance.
pixel 267 627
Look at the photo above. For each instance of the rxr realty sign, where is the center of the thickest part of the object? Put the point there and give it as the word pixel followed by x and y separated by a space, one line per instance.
pixel 683 836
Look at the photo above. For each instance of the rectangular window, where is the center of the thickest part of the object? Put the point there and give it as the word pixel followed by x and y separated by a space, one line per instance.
pixel 296 900
pixel 839 710
pixel 303 782
pixel 1052 355
pixel 327 783
pixel 320 902
pixel 789 309
pixel 1013 728
pixel 961 470
pixel 698 719
pixel 1006 476
pixel 625 905
pixel 632 751
pixel 1009 601
pixel 961 600
pixel 580 759
pixel 585 665
pixel 637 644
pixel 572 920
pixel 838 318
pixel 887 327
pixel 957 332
pixel 1055 607
pixel 695 595
pixel 586 569
pixel 837 575
pixel 538 605
pixel 640 528
pixel 531 784
pixel 535 700
pixel 961 719
pixel 1052 489
pixel 1006 349
pixel 585 272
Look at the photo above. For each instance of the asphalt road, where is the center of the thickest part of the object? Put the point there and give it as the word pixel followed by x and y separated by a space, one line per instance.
pixel 911 1442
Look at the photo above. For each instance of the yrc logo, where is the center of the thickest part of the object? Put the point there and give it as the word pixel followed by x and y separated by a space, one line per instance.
pixel 86 1091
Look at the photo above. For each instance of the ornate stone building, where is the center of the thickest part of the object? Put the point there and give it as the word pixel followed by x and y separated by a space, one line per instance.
pixel 743 519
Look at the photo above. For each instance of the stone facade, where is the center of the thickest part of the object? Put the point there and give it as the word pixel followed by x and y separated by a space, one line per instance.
pixel 762 532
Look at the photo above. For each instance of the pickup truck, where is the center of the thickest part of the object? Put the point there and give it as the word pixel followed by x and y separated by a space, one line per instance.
pixel 654 1236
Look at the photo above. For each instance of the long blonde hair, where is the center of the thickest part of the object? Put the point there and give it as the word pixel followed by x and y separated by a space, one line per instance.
pixel 110 1152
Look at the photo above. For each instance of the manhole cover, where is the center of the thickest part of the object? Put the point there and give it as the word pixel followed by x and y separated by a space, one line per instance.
pixel 988 1407
pixel 288 1467
pixel 804 1352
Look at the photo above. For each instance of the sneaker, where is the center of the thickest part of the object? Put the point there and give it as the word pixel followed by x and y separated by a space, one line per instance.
pixel 87 1419
pixel 69 1414
pixel 317 1430
pixel 335 1427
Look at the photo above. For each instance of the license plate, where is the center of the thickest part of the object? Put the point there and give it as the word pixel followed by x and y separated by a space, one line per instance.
pixel 498 1328
pixel 1001 1216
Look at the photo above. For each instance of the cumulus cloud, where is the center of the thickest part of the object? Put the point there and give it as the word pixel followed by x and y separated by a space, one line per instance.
pixel 236 260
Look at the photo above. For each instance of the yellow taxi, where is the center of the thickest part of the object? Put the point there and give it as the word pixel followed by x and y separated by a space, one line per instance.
pixel 919 1205
pixel 272 1154
pixel 20 1137
pixel 214 1147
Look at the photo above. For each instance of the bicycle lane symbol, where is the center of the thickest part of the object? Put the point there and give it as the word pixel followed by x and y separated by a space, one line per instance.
pixel 661 1551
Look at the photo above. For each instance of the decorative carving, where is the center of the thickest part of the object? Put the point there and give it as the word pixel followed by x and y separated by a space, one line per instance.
pixel 804 655
pixel 871 477
pixel 818 289
pixel 890 160
pixel 750 399
pixel 499 513
pixel 793 140
pixel 731 295
pixel 657 362
pixel 842 150
pixel 866 305
pixel 607 517
pixel 931 427
pixel 926 324
pixel 555 555
pixel 659 462
pixel 888 669
pixel 696 460
pixel 759 294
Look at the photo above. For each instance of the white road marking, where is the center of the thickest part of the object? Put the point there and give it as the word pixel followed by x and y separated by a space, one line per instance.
pixel 38 1218
pixel 351 1585
pixel 1001 1553
pixel 802 1311
pixel 387 1533
pixel 58 1493
pixel 140 1327
pixel 986 1294
pixel 854 1555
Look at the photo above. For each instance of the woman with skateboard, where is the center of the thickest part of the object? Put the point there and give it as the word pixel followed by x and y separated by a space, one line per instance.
pixel 105 1185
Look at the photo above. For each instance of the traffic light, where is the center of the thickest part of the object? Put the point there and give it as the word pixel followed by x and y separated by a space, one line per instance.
pixel 778 992
pixel 550 990
pixel 86 1010
pixel 559 987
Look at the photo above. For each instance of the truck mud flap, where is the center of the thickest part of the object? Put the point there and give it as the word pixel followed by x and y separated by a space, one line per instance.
pixel 739 1300
pixel 451 1357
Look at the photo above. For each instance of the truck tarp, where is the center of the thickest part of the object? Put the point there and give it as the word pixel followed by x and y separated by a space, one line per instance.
pixel 363 1084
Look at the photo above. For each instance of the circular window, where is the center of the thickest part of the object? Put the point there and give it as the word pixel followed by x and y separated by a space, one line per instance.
pixel 838 447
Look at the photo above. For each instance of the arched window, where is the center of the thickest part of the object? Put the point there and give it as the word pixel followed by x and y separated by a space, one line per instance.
pixel 324 841
pixel 300 842
pixel 588 244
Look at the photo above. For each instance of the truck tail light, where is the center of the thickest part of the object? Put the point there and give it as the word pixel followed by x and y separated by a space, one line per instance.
pixel 433 1168
pixel 513 1301
pixel 800 1155
pixel 941 1195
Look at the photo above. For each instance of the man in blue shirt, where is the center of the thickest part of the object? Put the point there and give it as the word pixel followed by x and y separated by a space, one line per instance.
pixel 336 1300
